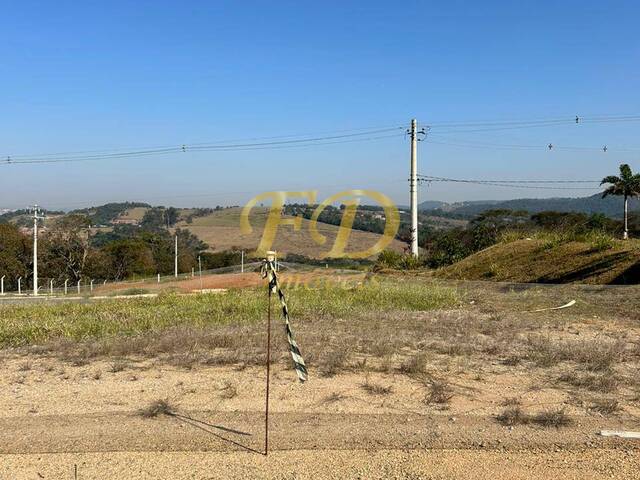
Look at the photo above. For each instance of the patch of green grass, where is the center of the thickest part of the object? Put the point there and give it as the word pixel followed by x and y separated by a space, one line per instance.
pixel 22 325
pixel 130 291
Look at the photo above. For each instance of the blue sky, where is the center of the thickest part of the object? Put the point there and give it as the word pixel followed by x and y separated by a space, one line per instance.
pixel 90 75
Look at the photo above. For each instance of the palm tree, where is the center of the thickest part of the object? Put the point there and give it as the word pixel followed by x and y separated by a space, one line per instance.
pixel 627 185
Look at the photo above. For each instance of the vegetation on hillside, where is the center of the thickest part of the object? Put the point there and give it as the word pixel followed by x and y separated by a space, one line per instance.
pixel 578 239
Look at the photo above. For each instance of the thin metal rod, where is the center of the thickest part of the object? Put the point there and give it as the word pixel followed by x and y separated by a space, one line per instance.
pixel 266 410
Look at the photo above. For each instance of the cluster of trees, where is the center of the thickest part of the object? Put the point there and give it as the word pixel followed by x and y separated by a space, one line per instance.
pixel 444 247
pixel 69 251
pixel 367 216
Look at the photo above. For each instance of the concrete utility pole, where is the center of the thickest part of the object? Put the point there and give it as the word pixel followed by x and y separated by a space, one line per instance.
pixel 175 268
pixel 36 217
pixel 413 187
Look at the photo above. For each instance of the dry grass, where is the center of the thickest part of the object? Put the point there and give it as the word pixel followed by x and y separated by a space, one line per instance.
pixel 595 355
pixel 334 398
pixel 119 366
pixel 511 402
pixel 333 361
pixel 605 382
pixel 156 408
pixel 552 418
pixel 415 364
pixel 606 406
pixel 228 391
pixel 512 416
pixel 440 393
pixel 376 388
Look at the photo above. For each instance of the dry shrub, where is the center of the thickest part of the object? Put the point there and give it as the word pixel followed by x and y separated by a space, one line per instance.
pixel 416 364
pixel 513 416
pixel 511 402
pixel 594 355
pixel 119 366
pixel 552 418
pixel 601 382
pixel 24 367
pixel 333 361
pixel 375 388
pixel 606 406
pixel 440 393
pixel 228 391
pixel 512 360
pixel 157 407
pixel 334 397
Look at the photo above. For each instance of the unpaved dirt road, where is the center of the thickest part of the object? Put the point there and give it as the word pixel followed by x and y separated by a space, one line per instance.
pixel 54 416
pixel 327 464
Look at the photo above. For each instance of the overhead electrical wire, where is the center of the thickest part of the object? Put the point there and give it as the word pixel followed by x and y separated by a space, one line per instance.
pixel 527 184
pixel 299 143
pixel 356 135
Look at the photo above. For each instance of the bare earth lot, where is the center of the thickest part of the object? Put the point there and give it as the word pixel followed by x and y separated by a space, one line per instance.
pixel 472 386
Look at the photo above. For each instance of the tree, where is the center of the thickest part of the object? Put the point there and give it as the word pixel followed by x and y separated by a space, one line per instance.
pixel 626 185
pixel 65 248
pixel 15 255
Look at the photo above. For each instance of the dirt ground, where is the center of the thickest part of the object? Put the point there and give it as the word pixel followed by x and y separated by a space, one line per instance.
pixel 366 420
pixel 55 415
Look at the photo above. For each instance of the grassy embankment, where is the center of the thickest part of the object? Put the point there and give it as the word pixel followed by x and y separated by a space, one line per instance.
pixel 553 258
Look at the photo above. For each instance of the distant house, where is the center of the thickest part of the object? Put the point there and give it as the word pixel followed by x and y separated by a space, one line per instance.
pixel 125 221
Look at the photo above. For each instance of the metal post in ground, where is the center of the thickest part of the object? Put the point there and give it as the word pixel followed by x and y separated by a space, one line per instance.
pixel 200 272
pixel 19 285
pixel 78 286
pixel 66 283
pixel 242 261
pixel 175 259
pixel 270 258
pixel 2 285
pixel 91 285
pixel 158 278
pixel 51 287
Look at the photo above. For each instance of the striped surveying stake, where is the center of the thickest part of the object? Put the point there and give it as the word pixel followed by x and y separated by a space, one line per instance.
pixel 268 270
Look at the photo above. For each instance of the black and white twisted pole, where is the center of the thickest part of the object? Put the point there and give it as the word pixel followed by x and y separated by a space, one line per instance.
pixel 268 271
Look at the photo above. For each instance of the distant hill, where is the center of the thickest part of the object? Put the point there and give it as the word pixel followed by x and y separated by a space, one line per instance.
pixel 221 230
pixel 107 213
pixel 610 206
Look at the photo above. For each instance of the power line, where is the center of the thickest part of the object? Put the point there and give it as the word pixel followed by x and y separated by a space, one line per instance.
pixel 505 146
pixel 527 184
pixel 357 134
pixel 311 142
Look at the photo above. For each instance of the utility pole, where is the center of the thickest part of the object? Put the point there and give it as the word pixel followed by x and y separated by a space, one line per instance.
pixel 36 217
pixel 413 184
pixel 175 268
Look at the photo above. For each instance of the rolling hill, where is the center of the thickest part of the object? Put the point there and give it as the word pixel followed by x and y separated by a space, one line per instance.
pixel 610 206
pixel 221 230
